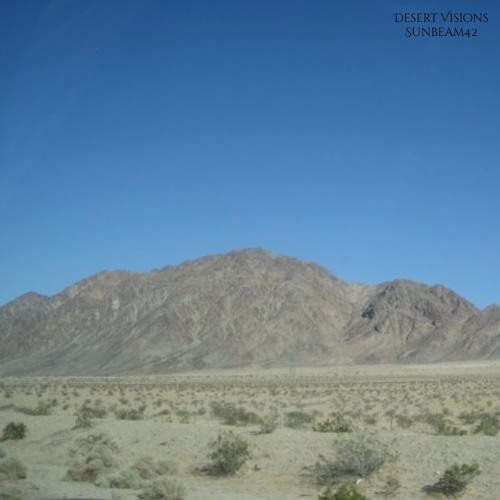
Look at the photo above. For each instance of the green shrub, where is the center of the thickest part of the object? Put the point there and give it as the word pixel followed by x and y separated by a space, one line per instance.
pixel 97 411
pixel 326 494
pixel 43 408
pixel 391 486
pixel 84 418
pixel 92 457
pixel 442 426
pixel 87 444
pixel 345 492
pixel 297 419
pixel 468 418
pixel 454 480
pixel 164 488
pixel 338 425
pixel 229 453
pixel 404 421
pixel 184 416
pixel 138 475
pixel 269 423
pixel 230 414
pixel 122 479
pixel 14 495
pixel 130 413
pixel 488 424
pixel 359 456
pixel 11 469
pixel 14 430
pixel 148 468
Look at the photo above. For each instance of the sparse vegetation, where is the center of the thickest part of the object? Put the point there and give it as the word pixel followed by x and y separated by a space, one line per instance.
pixel 11 469
pixel 419 399
pixel 390 487
pixel 488 424
pixel 130 413
pixel 14 430
pixel 443 426
pixel 356 457
pixel 345 492
pixel 298 419
pixel 269 423
pixel 338 424
pixel 148 468
pixel 164 488
pixel 228 454
pixel 230 414
pixel 404 421
pixel 42 409
pixel 91 457
pixel 454 480
pixel 84 418
pixel 138 475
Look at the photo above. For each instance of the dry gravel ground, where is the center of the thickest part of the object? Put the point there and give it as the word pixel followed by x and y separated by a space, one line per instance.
pixel 178 422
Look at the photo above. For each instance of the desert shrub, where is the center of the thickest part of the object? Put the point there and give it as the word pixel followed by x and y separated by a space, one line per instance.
pixel 14 495
pixel 370 419
pixel 43 408
pixel 84 418
pixel 454 480
pixel 326 494
pixel 442 426
pixel 148 468
pixel 390 487
pixel 404 421
pixel 11 469
pixel 488 424
pixel 164 412
pixel 345 492
pixel 130 413
pixel 164 488
pixel 97 411
pixel 138 475
pixel 91 457
pixel 3 452
pixel 269 423
pixel 359 456
pixel 338 424
pixel 86 444
pixel 14 430
pixel 228 454
pixel 230 414
pixel 297 419
pixel 184 416
pixel 468 418
pixel 123 479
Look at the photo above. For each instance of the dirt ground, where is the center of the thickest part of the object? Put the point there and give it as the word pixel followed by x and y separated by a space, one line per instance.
pixel 425 417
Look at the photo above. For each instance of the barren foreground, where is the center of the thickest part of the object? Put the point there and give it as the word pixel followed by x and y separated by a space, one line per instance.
pixel 420 419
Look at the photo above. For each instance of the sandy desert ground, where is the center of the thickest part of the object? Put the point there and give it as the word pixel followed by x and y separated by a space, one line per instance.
pixel 420 419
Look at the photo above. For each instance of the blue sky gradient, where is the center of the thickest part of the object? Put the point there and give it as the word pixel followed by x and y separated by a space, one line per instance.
pixel 135 135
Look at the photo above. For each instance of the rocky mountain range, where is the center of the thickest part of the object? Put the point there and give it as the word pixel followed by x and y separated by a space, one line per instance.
pixel 244 308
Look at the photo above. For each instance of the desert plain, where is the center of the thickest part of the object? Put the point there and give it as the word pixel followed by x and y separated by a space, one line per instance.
pixel 418 421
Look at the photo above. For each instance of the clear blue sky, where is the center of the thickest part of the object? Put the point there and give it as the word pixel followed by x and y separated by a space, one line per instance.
pixel 139 134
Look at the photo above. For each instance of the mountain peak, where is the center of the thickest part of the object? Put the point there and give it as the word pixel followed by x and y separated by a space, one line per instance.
pixel 248 307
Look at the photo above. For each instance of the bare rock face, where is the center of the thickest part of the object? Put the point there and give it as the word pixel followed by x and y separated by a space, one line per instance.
pixel 244 308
